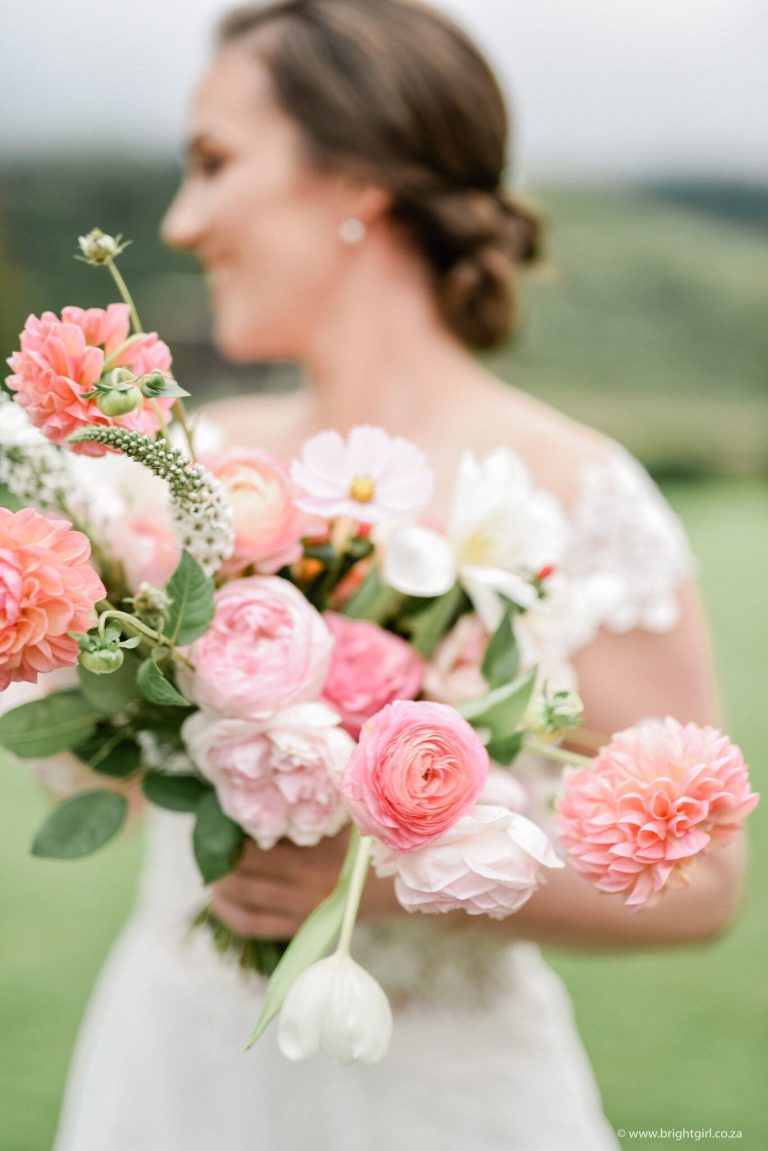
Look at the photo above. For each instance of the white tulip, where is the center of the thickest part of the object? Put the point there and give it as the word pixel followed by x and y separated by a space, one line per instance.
pixel 335 1004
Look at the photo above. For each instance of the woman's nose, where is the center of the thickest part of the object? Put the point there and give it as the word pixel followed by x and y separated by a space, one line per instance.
pixel 182 226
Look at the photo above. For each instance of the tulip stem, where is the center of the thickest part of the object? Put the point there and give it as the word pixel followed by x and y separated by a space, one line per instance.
pixel 356 884
pixel 558 754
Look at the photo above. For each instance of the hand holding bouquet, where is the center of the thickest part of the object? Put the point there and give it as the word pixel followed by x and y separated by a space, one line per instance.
pixel 313 655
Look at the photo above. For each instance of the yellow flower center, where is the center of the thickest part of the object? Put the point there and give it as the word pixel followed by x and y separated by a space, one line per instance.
pixel 362 489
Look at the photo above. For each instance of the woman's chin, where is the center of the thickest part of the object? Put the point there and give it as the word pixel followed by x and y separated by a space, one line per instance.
pixel 247 344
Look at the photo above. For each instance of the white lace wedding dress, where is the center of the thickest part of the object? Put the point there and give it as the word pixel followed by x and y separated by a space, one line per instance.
pixel 485 1055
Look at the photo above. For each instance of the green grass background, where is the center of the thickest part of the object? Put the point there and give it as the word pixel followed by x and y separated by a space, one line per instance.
pixel 649 322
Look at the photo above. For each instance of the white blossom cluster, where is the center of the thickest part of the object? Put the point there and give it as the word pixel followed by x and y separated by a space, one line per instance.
pixel 201 513
pixel 156 755
pixel 33 469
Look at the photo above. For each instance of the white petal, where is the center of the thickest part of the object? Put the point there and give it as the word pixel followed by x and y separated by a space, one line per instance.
pixel 418 561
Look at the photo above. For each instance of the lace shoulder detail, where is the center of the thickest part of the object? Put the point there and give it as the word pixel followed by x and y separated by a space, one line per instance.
pixel 624 535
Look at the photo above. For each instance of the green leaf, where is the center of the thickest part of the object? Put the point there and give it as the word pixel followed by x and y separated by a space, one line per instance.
pixel 110 694
pixel 47 726
pixel 373 600
pixel 190 591
pixel 502 657
pixel 311 942
pixel 110 752
pixel 504 751
pixel 217 840
pixel 8 499
pixel 80 825
pixel 427 620
pixel 156 688
pixel 500 711
pixel 174 792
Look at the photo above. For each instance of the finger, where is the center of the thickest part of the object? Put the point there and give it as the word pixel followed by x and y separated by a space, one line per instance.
pixel 253 924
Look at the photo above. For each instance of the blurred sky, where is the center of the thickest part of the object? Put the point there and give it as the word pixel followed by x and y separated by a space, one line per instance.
pixel 604 88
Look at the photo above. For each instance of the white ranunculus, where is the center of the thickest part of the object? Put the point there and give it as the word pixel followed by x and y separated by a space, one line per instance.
pixel 500 528
pixel 335 1004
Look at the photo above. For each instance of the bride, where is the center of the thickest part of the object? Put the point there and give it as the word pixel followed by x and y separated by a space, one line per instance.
pixel 345 198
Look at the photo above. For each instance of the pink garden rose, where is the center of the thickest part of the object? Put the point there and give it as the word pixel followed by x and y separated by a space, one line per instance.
pixel 370 668
pixel 48 588
pixel 275 778
pixel 417 769
pixel 266 648
pixel 62 358
pixel 268 525
pixel 649 803
pixel 489 863
pixel 453 675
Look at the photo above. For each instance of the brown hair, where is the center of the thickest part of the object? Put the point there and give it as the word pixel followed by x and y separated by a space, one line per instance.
pixel 394 91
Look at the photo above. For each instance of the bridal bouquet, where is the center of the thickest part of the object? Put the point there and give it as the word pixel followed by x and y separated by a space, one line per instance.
pixel 285 648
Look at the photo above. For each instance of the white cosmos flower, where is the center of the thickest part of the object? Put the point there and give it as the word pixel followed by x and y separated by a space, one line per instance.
pixel 500 527
pixel 335 1004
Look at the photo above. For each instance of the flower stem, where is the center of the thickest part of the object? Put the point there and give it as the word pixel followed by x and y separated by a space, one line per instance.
pixel 356 884
pixel 558 754
pixel 112 359
pixel 122 288
pixel 161 420
pixel 143 629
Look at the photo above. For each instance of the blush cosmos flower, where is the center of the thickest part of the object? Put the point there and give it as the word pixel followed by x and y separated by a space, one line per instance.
pixel 372 477
pixel 60 359
pixel 651 801
pixel 267 523
pixel 370 667
pixel 266 648
pixel 489 863
pixel 48 588
pixel 417 769
pixel 337 1006
pixel 276 778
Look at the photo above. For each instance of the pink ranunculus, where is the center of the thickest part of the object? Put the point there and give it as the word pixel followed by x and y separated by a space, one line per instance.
pixel 60 359
pixel 144 542
pixel 275 778
pixel 266 648
pixel 649 803
pixel 370 668
pixel 489 863
pixel 268 525
pixel 417 769
pixel 453 675
pixel 48 588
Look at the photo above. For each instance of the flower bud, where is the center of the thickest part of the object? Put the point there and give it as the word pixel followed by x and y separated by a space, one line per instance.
pixel 98 248
pixel 120 400
pixel 335 1004
pixel 150 603
pixel 102 661
pixel 548 715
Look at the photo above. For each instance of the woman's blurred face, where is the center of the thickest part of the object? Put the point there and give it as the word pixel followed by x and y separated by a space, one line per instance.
pixel 263 223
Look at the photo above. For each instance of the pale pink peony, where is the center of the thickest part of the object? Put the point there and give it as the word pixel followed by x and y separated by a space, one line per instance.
pixel 62 358
pixel 275 778
pixel 370 668
pixel 268 525
pixel 144 542
pixel 48 588
pixel 453 674
pixel 417 769
pixel 489 863
pixel 649 803
pixel 266 648
pixel 370 478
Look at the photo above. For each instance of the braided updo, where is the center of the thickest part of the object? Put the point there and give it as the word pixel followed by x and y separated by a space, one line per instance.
pixel 395 92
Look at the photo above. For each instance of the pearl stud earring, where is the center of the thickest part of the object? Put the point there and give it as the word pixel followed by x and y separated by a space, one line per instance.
pixel 352 231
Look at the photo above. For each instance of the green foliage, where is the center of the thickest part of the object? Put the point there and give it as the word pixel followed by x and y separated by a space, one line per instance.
pixel 190 592
pixel 110 694
pixel 174 792
pixel 501 662
pixel 373 600
pixel 217 840
pixel 498 714
pixel 311 942
pixel 80 825
pixel 110 752
pixel 156 688
pixel 46 726
pixel 426 620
